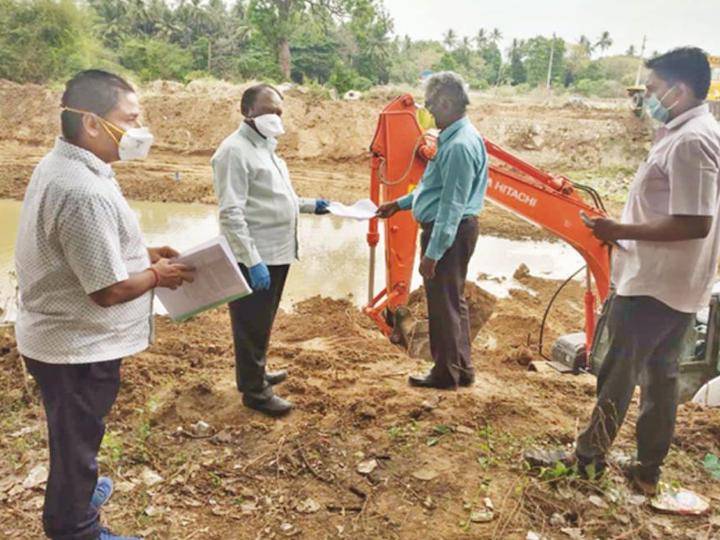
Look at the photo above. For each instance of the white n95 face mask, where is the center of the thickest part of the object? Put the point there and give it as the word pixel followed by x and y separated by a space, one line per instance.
pixel 135 143
pixel 269 125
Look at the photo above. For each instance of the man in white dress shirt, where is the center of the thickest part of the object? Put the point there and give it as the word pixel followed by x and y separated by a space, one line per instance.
pixel 664 272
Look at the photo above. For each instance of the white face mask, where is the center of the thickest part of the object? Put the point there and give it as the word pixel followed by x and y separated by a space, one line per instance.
pixel 269 125
pixel 135 143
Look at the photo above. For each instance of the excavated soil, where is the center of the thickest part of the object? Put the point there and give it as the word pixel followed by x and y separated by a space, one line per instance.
pixel 326 145
pixel 363 455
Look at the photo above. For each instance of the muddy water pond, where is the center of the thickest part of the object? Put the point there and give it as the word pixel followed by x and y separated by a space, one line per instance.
pixel 334 254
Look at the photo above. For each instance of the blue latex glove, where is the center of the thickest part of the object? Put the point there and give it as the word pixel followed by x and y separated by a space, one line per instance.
pixel 260 277
pixel 321 206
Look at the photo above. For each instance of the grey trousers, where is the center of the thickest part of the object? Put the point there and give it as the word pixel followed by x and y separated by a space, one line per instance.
pixel 645 341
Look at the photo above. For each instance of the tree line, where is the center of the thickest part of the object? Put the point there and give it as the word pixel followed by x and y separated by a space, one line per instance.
pixel 343 44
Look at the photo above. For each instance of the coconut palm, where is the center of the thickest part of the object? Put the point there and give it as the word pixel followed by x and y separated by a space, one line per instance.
pixel 481 38
pixel 604 42
pixel 584 42
pixel 450 39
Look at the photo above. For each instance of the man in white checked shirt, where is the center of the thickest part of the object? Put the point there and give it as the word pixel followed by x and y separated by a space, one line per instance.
pixel 85 282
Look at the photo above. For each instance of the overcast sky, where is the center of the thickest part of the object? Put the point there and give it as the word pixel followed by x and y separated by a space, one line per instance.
pixel 666 23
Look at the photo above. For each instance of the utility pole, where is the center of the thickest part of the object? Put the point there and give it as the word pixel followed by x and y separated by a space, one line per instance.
pixel 640 65
pixel 550 64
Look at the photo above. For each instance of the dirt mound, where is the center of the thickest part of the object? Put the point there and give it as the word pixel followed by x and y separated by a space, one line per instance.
pixel 481 305
pixel 413 324
pixel 193 119
pixel 326 144
pixel 324 137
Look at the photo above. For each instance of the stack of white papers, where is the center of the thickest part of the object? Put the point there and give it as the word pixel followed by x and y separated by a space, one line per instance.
pixel 218 280
pixel 361 210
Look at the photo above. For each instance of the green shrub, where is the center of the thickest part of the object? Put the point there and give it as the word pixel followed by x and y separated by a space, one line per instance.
pixel 43 40
pixel 155 59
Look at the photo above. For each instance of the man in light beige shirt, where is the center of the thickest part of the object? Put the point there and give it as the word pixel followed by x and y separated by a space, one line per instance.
pixel 663 271
pixel 259 215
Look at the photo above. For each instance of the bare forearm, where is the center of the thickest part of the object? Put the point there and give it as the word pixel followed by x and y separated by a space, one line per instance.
pixel 669 229
pixel 125 291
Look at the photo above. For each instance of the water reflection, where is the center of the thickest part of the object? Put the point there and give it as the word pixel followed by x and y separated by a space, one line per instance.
pixel 334 253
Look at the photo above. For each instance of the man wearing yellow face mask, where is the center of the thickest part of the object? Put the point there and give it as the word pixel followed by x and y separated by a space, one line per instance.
pixel 85 283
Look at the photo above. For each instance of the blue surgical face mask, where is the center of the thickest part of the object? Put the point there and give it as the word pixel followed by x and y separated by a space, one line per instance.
pixel 656 109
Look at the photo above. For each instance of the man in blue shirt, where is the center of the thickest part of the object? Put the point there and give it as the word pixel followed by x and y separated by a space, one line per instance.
pixel 446 204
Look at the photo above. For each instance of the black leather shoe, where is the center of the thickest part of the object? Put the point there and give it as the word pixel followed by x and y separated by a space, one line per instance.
pixel 275 377
pixel 467 381
pixel 428 382
pixel 275 406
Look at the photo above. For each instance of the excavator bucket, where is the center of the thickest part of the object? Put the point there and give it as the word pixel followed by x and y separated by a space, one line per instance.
pixel 412 329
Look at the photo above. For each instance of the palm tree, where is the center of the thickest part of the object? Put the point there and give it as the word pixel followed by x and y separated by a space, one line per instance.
pixel 584 42
pixel 604 42
pixel 495 35
pixel 450 38
pixel 630 51
pixel 518 73
pixel 481 38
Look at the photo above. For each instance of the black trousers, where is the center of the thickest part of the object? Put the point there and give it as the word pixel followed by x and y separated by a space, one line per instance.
pixel 252 318
pixel 645 343
pixel 76 397
pixel 447 309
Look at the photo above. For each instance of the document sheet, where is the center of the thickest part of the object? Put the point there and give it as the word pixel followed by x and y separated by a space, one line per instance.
pixel 218 280
pixel 361 210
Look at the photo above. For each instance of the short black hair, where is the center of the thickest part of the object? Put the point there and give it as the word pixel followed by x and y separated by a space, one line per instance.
pixel 688 65
pixel 93 90
pixel 251 94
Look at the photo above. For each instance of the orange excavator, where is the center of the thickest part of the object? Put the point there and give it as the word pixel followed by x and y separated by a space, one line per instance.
pixel 400 151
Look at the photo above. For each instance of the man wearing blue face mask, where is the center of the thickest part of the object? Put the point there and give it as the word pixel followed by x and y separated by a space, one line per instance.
pixel 259 217
pixel 664 273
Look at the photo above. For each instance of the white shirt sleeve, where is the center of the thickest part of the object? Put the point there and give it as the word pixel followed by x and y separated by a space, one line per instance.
pixel 88 232
pixel 693 176
pixel 231 180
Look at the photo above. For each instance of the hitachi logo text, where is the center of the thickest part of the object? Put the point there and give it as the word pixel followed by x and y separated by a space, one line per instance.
pixel 510 191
